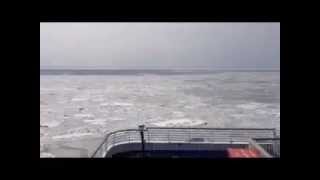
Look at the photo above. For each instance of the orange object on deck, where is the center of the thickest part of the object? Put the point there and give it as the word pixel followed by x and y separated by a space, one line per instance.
pixel 242 153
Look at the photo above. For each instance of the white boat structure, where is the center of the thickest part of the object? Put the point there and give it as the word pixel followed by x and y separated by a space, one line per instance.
pixel 165 142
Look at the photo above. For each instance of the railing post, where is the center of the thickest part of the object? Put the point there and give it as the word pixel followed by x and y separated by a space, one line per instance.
pixel 141 129
pixel 274 136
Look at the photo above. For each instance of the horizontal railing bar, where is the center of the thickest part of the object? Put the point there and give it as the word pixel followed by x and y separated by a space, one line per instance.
pixel 271 139
pixel 210 128
pixel 271 135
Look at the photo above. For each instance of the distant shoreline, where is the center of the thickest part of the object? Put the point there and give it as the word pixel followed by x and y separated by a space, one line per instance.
pixel 140 71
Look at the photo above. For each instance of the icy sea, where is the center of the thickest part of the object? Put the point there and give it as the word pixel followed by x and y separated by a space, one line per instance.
pixel 78 108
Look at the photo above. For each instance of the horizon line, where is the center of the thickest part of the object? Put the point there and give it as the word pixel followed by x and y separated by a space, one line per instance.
pixel 108 68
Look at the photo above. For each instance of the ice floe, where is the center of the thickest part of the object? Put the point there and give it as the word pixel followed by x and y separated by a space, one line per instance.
pixel 97 99
pixel 79 132
pixel 73 135
pixel 51 123
pixel 115 119
pixel 79 99
pixel 83 115
pixel 46 155
pixel 96 121
pixel 251 106
pixel 116 104
pixel 178 114
pixel 179 123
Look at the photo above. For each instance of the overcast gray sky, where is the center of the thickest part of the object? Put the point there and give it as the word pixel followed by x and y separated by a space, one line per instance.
pixel 160 45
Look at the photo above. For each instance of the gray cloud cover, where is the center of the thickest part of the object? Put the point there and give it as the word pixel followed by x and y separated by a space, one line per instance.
pixel 160 45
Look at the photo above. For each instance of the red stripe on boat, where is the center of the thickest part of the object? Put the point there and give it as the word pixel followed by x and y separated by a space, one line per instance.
pixel 242 153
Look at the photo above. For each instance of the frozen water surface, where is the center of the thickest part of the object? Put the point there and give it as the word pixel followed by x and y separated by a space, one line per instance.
pixel 76 112
pixel 178 123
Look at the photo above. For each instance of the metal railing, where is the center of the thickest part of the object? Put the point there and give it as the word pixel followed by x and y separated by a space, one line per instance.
pixel 182 135
pixel 206 135
pixel 270 145
pixel 117 137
